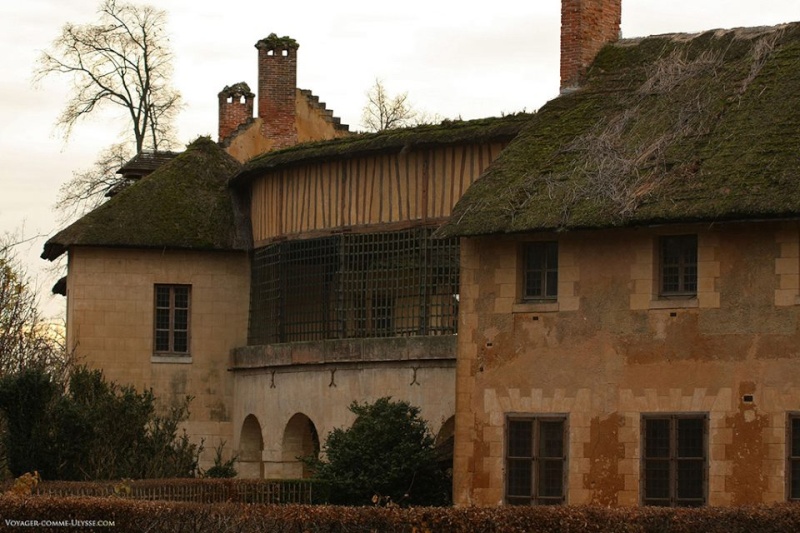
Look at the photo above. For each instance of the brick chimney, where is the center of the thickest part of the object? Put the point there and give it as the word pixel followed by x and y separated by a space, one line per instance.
pixel 586 25
pixel 277 83
pixel 235 108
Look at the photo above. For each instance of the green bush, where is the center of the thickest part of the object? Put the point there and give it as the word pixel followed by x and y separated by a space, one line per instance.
pixel 221 468
pixel 91 429
pixel 386 456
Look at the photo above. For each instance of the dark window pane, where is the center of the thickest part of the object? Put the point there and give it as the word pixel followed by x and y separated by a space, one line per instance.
pixel 520 476
pixel 520 438
pixel 181 342
pixel 656 438
pixel 533 285
pixel 162 318
pixel 671 279
pixel 690 479
pixel 162 341
pixel 656 477
pixel 551 439
pixel 162 296
pixel 551 478
pixel 796 437
pixel 181 297
pixel 690 279
pixel 551 254
pixel 795 469
pixel 181 319
pixel 552 283
pixel 690 437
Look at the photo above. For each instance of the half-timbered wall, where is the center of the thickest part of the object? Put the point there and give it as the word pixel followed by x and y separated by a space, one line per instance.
pixel 415 185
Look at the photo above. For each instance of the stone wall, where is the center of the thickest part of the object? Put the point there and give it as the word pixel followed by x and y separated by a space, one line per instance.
pixel 110 322
pixel 290 388
pixel 609 350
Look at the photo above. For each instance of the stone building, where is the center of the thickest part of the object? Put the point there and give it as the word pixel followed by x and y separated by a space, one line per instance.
pixel 604 293
pixel 630 279
pixel 278 292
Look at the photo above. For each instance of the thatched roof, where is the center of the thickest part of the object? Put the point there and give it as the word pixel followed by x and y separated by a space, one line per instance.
pixel 184 204
pixel 665 129
pixel 448 132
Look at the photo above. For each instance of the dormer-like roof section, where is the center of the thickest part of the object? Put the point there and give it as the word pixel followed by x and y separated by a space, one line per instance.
pixel 670 128
pixel 448 132
pixel 146 162
pixel 184 204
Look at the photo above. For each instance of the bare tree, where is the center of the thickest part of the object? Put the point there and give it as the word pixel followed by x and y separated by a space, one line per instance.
pixel 25 338
pixel 87 189
pixel 384 112
pixel 124 60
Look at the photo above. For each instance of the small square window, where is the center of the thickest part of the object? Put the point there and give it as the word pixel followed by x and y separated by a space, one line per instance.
pixel 171 322
pixel 678 265
pixel 540 271
pixel 536 460
pixel 674 460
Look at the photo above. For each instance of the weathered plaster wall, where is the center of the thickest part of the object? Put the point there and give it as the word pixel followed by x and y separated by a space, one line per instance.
pixel 249 142
pixel 110 323
pixel 312 122
pixel 320 379
pixel 609 350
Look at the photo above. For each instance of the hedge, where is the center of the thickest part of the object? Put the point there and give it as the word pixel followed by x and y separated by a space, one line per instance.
pixel 302 491
pixel 46 513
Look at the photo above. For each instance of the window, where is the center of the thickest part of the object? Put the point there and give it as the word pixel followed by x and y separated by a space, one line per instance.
pixel 793 466
pixel 674 460
pixel 172 319
pixel 678 265
pixel 535 460
pixel 541 271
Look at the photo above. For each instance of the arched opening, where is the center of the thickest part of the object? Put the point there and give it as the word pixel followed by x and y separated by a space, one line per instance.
pixel 444 443
pixel 251 445
pixel 300 439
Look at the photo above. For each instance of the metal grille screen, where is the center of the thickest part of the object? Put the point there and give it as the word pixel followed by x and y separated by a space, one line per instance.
pixel 354 285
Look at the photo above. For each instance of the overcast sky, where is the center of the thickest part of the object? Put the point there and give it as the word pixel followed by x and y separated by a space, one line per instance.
pixel 463 59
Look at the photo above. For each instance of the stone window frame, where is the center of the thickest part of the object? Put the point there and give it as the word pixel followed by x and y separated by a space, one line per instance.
pixel 674 461
pixel 535 458
pixel 171 353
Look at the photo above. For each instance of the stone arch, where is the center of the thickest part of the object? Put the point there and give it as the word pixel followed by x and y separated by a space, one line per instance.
pixel 300 439
pixel 251 447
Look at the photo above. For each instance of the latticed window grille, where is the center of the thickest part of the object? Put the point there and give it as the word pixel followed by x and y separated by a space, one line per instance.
pixel 390 284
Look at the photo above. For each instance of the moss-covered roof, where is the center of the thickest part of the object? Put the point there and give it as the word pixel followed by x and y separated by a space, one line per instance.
pixel 184 204
pixel 665 129
pixel 273 42
pixel 447 132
